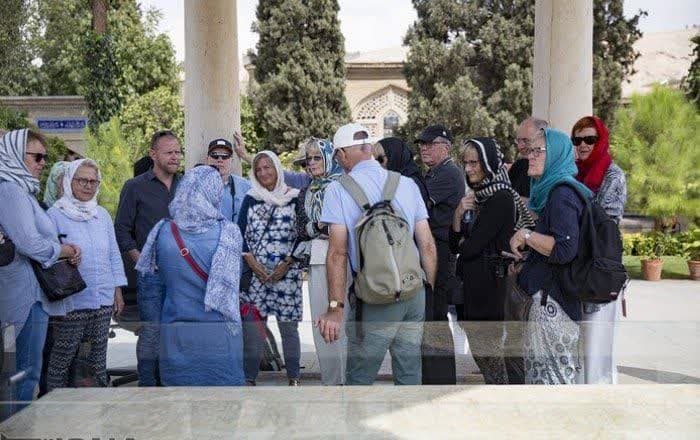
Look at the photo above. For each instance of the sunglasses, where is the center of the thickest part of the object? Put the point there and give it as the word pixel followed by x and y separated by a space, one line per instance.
pixel 381 158
pixel 222 156
pixel 590 140
pixel 316 158
pixel 85 183
pixel 38 157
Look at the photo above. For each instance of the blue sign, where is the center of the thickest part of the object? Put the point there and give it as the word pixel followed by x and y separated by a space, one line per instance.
pixel 62 124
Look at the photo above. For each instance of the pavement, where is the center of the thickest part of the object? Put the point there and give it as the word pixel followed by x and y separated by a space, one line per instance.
pixel 656 343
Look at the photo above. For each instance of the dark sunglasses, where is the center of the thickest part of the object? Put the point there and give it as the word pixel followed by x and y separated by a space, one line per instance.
pixel 38 157
pixel 316 158
pixel 590 140
pixel 217 156
pixel 381 158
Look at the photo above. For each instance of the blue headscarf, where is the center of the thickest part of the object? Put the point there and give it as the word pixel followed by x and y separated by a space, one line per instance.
pixel 313 202
pixel 196 209
pixel 559 166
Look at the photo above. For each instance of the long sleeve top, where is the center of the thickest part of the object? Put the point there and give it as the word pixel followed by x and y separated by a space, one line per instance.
pixel 25 223
pixel 101 266
pixel 612 195
pixel 490 234
pixel 562 220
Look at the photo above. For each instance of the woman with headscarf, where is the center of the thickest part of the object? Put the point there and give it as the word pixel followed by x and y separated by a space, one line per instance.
pixel 596 168
pixel 85 316
pixel 399 158
pixel 498 210
pixel 599 173
pixel 22 220
pixel 268 223
pixel 54 183
pixel 323 169
pixel 197 253
pixel 552 332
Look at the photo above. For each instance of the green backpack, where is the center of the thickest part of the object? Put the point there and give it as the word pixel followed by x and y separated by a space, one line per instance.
pixel 389 266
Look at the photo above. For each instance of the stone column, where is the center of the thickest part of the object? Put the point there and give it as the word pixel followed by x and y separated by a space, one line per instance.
pixel 212 100
pixel 563 70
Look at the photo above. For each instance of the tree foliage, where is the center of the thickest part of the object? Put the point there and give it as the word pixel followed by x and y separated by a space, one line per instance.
pixel 692 80
pixel 299 66
pixel 470 63
pixel 17 74
pixel 656 143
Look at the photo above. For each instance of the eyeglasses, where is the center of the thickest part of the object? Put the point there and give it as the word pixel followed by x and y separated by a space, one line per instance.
pixel 220 156
pixel 470 163
pixel 427 145
pixel 38 157
pixel 589 140
pixel 312 158
pixel 535 152
pixel 85 183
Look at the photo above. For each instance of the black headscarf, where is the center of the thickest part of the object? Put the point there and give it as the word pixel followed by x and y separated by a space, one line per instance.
pixel 496 179
pixel 400 159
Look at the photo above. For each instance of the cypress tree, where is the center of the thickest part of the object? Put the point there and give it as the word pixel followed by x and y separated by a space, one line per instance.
pixel 299 70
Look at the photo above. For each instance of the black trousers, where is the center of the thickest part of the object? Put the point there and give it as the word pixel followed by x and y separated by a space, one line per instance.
pixel 438 348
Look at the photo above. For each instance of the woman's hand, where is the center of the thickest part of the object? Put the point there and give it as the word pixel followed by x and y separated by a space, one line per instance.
pixel 257 268
pixel 118 301
pixel 72 253
pixel 466 204
pixel 517 242
pixel 280 271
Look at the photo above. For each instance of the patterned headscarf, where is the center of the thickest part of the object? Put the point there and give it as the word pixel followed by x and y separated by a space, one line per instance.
pixel 53 183
pixel 13 146
pixel 497 179
pixel 73 208
pixel 313 202
pixel 196 209
pixel 559 167
pixel 281 194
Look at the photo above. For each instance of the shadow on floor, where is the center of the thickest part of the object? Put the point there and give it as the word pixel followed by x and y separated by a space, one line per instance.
pixel 658 376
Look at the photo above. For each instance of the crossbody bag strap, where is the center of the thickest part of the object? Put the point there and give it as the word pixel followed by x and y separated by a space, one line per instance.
pixel 186 253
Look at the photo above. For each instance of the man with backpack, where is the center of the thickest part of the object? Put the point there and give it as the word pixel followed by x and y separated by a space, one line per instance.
pixel 378 219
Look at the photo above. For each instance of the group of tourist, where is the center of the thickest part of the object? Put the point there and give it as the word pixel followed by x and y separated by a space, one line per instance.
pixel 217 255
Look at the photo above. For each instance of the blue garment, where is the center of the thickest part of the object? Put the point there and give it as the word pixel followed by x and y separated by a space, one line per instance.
pixel 559 166
pixel 231 205
pixel 35 237
pixel 196 347
pixel 101 267
pixel 149 295
pixel 339 208
pixel 296 180
pixel 561 219
pixel 30 344
pixel 270 242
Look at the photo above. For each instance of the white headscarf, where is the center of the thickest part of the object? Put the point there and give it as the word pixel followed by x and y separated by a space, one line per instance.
pixel 281 194
pixel 13 146
pixel 73 208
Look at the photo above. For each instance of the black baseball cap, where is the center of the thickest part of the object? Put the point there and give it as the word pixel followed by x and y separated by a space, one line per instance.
pixel 432 131
pixel 221 143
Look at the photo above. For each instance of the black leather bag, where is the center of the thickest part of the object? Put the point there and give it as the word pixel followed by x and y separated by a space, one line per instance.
pixel 7 250
pixel 60 280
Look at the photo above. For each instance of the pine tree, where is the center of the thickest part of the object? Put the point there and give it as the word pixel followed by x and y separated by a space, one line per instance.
pixel 300 71
pixel 470 64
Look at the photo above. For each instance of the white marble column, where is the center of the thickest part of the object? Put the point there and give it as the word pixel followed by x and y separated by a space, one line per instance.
pixel 563 70
pixel 212 100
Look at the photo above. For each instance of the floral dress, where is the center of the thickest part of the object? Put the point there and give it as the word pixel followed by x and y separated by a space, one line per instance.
pixel 269 233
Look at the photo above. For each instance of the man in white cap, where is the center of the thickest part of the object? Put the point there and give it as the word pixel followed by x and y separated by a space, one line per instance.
pixel 397 326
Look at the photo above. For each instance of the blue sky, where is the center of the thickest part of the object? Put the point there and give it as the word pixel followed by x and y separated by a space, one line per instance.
pixel 376 24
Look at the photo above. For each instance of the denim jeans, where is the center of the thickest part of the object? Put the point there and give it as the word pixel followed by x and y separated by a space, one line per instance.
pixel 253 347
pixel 149 294
pixel 30 345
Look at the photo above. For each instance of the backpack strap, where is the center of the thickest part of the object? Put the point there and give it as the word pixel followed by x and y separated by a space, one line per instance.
pixel 390 186
pixel 355 191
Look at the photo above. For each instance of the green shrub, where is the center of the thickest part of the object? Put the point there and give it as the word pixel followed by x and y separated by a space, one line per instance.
pixel 691 244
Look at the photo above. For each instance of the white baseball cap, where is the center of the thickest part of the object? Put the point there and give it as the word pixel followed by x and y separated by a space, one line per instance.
pixel 350 135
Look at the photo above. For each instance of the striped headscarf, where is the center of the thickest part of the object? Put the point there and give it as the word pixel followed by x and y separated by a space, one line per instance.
pixel 497 179
pixel 13 146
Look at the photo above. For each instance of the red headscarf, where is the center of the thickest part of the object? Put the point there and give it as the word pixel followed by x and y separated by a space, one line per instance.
pixel 592 170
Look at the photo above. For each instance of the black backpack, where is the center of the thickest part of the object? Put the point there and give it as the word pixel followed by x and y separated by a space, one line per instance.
pixel 597 274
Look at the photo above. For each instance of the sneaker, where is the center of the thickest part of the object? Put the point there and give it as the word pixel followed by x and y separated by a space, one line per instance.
pixel 294 383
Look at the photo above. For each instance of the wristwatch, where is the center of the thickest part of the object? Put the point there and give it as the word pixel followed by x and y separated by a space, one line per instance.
pixel 528 234
pixel 335 305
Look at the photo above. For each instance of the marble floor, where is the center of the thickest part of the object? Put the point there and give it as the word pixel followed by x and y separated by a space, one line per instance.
pixel 629 411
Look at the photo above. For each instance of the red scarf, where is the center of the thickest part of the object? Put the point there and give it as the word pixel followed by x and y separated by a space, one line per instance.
pixel 592 170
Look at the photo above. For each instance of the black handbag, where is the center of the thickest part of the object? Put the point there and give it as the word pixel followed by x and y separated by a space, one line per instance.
pixel 7 250
pixel 60 280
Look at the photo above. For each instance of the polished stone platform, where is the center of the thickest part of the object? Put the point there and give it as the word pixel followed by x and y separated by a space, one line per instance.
pixel 630 411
